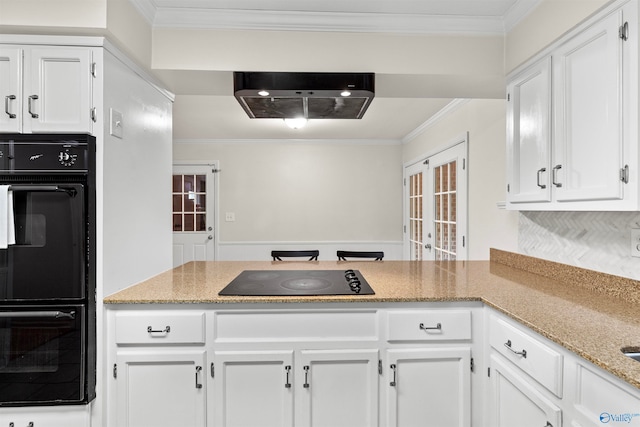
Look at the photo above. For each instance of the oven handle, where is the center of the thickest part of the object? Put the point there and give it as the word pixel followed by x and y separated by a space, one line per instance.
pixel 52 313
pixel 70 191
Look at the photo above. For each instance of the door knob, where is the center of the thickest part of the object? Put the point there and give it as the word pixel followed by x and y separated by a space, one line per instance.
pixel 427 246
pixel 210 237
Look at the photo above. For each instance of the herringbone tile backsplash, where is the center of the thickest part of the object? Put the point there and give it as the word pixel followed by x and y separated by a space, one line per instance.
pixel 598 241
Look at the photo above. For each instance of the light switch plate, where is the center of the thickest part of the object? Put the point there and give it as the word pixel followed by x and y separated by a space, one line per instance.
pixel 230 217
pixel 115 123
pixel 635 242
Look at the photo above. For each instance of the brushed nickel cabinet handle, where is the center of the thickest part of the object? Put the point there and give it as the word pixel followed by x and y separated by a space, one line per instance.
pixel 30 106
pixel 6 105
pixel 543 186
pixel 556 168
pixel 522 353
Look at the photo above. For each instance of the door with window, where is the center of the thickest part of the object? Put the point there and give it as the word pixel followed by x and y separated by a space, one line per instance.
pixel 194 237
pixel 436 206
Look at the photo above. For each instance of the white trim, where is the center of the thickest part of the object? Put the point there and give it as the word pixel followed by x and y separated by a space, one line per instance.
pixel 299 20
pixel 289 141
pixel 518 12
pixel 461 138
pixel 444 111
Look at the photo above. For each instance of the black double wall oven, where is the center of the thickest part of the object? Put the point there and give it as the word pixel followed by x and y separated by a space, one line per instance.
pixel 47 270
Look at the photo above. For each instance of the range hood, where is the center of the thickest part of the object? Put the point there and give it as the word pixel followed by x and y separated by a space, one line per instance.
pixel 283 95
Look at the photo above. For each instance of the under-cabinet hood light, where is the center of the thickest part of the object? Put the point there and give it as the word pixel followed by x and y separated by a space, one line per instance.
pixel 296 123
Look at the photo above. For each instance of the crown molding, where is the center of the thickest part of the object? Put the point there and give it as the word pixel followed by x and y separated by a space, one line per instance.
pixel 236 19
pixel 444 112
pixel 288 141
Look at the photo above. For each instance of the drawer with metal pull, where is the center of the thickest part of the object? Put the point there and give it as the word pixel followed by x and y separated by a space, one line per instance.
pixel 529 353
pixel 141 327
pixel 429 325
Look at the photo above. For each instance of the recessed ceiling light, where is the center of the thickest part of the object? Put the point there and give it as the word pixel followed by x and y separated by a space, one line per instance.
pixel 263 93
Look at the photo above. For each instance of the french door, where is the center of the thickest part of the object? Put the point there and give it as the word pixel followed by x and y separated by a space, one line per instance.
pixel 194 237
pixel 436 206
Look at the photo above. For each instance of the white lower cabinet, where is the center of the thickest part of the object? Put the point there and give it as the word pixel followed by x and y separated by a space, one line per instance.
pixel 332 388
pixel 160 388
pixel 53 416
pixel 599 399
pixel 337 388
pixel 252 388
pixel 514 401
pixel 428 387
pixel 343 366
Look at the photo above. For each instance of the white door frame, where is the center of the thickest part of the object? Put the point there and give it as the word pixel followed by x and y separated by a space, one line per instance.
pixel 463 222
pixel 215 166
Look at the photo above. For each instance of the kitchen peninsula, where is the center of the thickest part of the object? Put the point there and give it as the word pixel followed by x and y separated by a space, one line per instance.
pixel 512 315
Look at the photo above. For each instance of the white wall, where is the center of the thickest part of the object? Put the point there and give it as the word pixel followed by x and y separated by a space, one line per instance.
pixel 484 120
pixel 136 180
pixel 320 193
pixel 550 20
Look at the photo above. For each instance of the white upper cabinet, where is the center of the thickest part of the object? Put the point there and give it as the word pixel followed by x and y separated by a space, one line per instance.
pixel 529 134
pixel 588 149
pixel 48 89
pixel 572 120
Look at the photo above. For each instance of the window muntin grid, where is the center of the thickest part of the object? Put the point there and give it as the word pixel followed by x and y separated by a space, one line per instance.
pixel 189 202
pixel 416 219
pixel 445 211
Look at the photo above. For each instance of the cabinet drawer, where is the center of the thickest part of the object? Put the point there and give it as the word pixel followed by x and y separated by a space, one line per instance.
pixel 308 325
pixel 429 325
pixel 528 353
pixel 141 327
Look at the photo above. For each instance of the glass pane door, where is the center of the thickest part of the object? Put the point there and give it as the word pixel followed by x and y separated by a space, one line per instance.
pixel 435 206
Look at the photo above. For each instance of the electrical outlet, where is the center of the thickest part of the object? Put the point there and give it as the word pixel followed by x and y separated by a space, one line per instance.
pixel 230 217
pixel 635 242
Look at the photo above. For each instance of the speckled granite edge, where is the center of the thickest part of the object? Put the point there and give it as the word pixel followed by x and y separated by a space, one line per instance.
pixel 605 283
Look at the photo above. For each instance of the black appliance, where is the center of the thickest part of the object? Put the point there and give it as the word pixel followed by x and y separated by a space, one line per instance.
pixel 298 282
pixel 47 278
pixel 286 95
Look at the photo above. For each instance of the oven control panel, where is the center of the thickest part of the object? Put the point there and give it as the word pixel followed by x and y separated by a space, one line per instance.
pixel 36 157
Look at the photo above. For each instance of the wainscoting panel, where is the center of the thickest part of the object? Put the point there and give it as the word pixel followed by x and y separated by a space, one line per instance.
pixel 598 241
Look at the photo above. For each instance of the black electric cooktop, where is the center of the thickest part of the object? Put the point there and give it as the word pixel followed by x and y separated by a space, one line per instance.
pixel 298 282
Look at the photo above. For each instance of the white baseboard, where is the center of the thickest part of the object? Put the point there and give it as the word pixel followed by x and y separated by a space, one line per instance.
pixel 261 251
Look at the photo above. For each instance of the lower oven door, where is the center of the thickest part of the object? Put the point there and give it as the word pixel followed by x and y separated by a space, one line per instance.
pixel 49 258
pixel 42 355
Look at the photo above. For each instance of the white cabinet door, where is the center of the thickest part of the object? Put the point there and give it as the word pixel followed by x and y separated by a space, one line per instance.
pixel 588 139
pixel 253 388
pixel 156 388
pixel 57 89
pixel 11 89
pixel 47 416
pixel 429 387
pixel 337 388
pixel 529 135
pixel 515 402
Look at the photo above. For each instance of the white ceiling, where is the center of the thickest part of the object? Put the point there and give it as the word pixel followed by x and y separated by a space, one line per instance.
pixel 390 117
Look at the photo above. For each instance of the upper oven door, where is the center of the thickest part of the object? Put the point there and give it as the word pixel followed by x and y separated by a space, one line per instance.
pixel 48 260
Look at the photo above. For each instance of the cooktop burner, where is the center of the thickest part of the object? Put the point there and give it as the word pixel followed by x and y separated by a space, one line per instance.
pixel 298 282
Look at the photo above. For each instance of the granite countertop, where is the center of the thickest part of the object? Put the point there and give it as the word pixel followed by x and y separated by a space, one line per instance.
pixel 591 314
